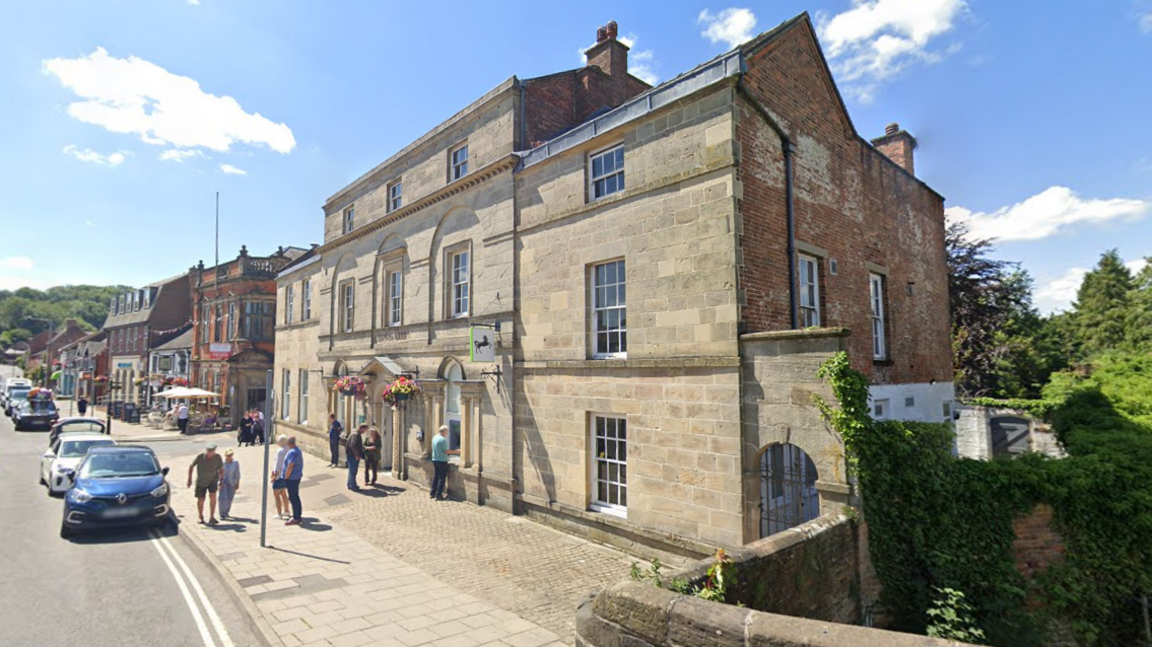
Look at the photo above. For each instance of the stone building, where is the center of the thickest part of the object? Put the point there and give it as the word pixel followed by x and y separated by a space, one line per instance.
pixel 233 338
pixel 137 321
pixel 661 271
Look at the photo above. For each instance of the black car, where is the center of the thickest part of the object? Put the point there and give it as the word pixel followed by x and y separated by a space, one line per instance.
pixel 35 413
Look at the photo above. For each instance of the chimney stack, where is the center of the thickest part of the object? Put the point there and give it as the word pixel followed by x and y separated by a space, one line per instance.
pixel 609 54
pixel 897 145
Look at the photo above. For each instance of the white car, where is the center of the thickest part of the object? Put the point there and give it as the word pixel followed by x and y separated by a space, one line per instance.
pixel 64 456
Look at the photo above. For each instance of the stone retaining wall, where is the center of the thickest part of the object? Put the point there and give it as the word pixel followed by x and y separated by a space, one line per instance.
pixel 801 587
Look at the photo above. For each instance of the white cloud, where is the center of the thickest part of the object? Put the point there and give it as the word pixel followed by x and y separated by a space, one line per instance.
pixel 876 40
pixel 89 155
pixel 641 63
pixel 131 95
pixel 232 170
pixel 17 263
pixel 1058 294
pixel 730 26
pixel 1144 23
pixel 182 154
pixel 1053 210
pixel 194 2
pixel 17 282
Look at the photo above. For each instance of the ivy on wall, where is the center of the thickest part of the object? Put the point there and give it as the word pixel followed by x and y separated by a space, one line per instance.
pixel 941 524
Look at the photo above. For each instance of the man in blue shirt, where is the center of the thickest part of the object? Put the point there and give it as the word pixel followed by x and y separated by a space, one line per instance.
pixel 293 472
pixel 335 429
pixel 440 454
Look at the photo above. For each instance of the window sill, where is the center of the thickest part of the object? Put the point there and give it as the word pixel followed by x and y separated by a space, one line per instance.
pixel 883 362
pixel 615 511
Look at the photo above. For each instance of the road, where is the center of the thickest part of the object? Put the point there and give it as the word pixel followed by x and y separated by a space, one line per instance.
pixel 120 589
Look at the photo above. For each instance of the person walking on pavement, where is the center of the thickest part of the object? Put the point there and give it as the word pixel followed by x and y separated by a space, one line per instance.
pixel 440 453
pixel 182 417
pixel 371 455
pixel 293 472
pixel 335 430
pixel 82 405
pixel 245 435
pixel 258 426
pixel 279 486
pixel 354 453
pixel 229 483
pixel 209 467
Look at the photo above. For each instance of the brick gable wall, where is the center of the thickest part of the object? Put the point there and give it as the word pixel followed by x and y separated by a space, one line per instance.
pixel 851 205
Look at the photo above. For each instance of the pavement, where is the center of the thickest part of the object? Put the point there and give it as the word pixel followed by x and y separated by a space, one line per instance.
pixel 387 565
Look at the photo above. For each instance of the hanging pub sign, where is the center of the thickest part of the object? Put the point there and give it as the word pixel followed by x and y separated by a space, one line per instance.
pixel 483 346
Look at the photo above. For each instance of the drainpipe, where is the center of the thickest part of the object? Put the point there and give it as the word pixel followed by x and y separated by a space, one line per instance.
pixel 523 85
pixel 786 146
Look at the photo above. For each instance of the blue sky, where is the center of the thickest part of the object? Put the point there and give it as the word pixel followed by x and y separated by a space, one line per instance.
pixel 122 119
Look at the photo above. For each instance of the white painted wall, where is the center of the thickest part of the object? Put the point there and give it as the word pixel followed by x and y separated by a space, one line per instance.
pixel 922 402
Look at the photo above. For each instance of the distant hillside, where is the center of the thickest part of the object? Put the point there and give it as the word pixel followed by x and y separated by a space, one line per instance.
pixel 20 310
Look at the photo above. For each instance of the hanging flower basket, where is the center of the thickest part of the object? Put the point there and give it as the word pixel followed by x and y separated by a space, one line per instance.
pixel 400 390
pixel 100 379
pixel 350 385
pixel 138 381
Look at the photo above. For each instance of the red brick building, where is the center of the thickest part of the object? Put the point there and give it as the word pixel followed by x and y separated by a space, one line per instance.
pixel 233 339
pixel 137 321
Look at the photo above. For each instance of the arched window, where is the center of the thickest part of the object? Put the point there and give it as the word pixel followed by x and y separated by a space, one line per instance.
pixel 453 374
pixel 788 495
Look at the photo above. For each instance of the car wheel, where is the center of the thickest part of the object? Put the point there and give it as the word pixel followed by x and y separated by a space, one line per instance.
pixel 43 482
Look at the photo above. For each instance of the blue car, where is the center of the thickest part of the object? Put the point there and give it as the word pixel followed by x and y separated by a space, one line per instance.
pixel 116 487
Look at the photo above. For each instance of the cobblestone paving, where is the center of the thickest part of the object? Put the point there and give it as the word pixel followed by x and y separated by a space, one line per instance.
pixel 520 566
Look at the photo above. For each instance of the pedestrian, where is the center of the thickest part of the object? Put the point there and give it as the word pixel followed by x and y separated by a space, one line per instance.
pixel 182 417
pixel 279 486
pixel 209 467
pixel 245 436
pixel 354 453
pixel 293 472
pixel 440 453
pixel 229 483
pixel 82 405
pixel 371 455
pixel 258 426
pixel 335 430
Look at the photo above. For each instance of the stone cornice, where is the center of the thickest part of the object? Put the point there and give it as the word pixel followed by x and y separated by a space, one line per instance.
pixel 479 176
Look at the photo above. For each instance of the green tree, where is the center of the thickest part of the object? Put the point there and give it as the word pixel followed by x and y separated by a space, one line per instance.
pixel 1139 333
pixel 1103 305
pixel 992 316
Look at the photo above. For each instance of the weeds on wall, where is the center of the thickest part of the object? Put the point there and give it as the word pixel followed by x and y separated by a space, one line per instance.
pixel 940 528
pixel 720 576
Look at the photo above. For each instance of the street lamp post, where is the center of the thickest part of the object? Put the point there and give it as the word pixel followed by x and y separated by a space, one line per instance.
pixel 113 386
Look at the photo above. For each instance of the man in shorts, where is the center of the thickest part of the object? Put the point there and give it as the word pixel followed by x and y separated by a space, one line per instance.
pixel 209 468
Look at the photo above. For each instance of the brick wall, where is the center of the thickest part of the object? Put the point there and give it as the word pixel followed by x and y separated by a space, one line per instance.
pixel 852 205
pixel 1037 545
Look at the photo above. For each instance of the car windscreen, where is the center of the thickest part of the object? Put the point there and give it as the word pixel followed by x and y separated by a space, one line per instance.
pixel 77 448
pixel 41 406
pixel 81 425
pixel 118 465
pixel 18 394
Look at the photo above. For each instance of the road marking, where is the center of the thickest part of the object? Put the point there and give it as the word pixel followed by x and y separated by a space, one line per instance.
pixel 221 631
pixel 200 624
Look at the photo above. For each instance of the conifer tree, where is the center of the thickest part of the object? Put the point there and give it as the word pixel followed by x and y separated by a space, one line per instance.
pixel 1103 305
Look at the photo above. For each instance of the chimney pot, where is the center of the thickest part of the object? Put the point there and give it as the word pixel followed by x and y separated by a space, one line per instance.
pixel 892 128
pixel 611 29
pixel 601 34
pixel 898 146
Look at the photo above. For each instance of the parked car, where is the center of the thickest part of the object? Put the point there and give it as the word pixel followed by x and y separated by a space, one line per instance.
pixel 75 424
pixel 35 413
pixel 16 395
pixel 116 487
pixel 64 456
pixel 12 383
